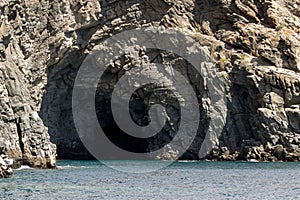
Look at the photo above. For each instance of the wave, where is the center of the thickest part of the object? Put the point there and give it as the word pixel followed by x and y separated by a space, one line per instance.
pixel 188 161
pixel 70 167
pixel 24 167
pixel 253 160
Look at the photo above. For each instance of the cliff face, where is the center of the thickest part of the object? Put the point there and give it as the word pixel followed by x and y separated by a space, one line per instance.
pixel 254 43
pixel 5 169
pixel 24 54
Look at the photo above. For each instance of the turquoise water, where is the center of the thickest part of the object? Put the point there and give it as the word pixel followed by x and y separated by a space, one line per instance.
pixel 181 180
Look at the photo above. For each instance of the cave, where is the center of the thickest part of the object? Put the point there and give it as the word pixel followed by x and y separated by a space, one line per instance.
pixel 56 108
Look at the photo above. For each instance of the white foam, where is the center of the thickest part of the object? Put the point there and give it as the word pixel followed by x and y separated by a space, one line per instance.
pixel 24 167
pixel 70 167
pixel 187 161
pixel 253 160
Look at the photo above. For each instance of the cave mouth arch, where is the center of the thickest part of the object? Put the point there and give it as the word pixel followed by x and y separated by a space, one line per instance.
pixel 57 106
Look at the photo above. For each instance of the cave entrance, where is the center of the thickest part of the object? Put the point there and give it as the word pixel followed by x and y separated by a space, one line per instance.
pixel 56 109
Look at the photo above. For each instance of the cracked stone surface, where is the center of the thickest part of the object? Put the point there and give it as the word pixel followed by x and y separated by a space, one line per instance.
pixel 255 44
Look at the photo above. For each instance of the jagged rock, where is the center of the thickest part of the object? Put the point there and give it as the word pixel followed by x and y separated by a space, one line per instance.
pixel 254 43
pixel 293 116
pixel 5 167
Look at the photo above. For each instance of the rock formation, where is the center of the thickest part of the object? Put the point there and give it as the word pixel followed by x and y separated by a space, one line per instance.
pixel 23 135
pixel 5 167
pixel 254 43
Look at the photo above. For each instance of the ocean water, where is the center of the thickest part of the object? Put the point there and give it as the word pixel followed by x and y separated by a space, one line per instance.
pixel 181 180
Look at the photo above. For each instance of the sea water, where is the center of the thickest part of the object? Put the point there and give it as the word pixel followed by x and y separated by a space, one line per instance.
pixel 180 180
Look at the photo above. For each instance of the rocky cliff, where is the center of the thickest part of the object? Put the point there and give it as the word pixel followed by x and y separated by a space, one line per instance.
pixel 5 167
pixel 254 43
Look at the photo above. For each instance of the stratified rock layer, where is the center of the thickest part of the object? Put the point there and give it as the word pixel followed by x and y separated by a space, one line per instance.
pixel 255 44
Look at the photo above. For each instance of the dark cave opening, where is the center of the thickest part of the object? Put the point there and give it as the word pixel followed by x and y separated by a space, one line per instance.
pixel 57 115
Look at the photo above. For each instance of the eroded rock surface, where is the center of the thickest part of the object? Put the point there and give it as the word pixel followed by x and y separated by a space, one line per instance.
pixel 255 44
pixel 5 167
